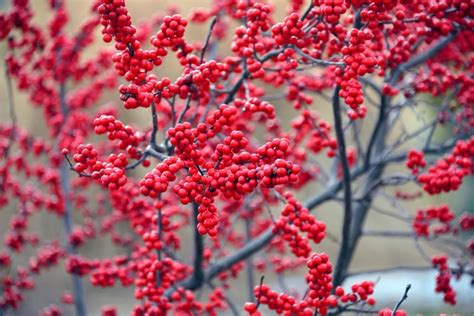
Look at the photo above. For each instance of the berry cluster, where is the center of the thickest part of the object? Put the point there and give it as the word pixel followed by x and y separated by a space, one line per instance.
pixel 290 32
pixel 443 279
pixel 157 180
pixel 231 170
pixel 415 161
pixel 296 219
pixel 171 32
pixel 255 105
pixel 318 297
pixel 245 43
pixel 116 130
pixel 423 219
pixel 358 62
pixel 138 95
pixel 360 293
pixel 447 174
pixel 319 282
pixel 466 222
pixel 110 174
pixel 331 9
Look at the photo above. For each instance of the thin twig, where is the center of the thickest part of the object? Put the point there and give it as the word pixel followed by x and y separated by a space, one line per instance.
pixel 260 291
pixel 208 37
pixel 307 11
pixel 154 131
pixel 249 261
pixel 404 297
pixel 318 62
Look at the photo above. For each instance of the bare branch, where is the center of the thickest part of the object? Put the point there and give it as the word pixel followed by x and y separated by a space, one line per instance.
pixel 383 233
pixel 208 37
pixel 79 301
pixel 404 297
pixel 316 61
pixel 154 131
pixel 249 262
pixel 346 176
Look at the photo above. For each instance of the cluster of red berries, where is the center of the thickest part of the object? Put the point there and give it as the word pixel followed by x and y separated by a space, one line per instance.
pixel 233 144
pixel 110 174
pixel 198 81
pixel 157 180
pixel 256 105
pixel 80 266
pixel 296 219
pixel 278 302
pixel 131 61
pixel 138 95
pixel 415 161
pixel 423 219
pixel 400 52
pixel 183 139
pixel 318 297
pixel 245 43
pixel 358 62
pixel 437 80
pixel 447 174
pixel 149 271
pixel 360 292
pixel 290 32
pixel 466 221
pixel 226 115
pixel 117 23
pixel 85 156
pixel 281 172
pixel 443 279
pixel 274 149
pixel 257 15
pixel 186 302
pixel 171 32
pixel 319 281
pixel 331 9
pixel 298 244
pixel 108 271
pixel 207 215
pixel 116 130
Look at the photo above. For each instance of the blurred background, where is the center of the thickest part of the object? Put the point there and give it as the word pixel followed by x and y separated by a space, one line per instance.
pixel 372 253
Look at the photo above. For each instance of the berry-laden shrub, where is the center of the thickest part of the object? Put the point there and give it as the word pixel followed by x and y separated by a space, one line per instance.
pixel 235 141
